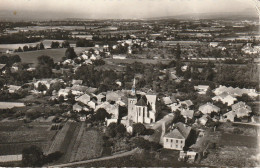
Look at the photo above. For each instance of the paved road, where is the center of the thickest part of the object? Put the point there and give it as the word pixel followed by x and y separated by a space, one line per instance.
pixel 94 160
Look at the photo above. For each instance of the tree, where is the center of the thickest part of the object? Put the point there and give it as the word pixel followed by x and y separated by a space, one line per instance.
pixel 4 59
pixel 25 48
pixel 14 59
pixel 65 44
pixel 41 47
pixel 101 114
pixel 20 49
pixel 41 87
pixel 139 129
pixel 120 129
pixel 32 156
pixel 111 130
pixel 53 156
pixel 46 61
pixel 178 52
pixel 55 44
pixel 70 53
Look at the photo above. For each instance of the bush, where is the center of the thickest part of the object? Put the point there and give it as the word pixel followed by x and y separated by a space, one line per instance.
pixel 53 156
pixel 237 131
pixel 139 129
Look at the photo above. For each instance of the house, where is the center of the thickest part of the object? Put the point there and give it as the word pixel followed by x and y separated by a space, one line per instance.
pixel 77 82
pixel 113 96
pixel 112 109
pixel 112 120
pixel 208 108
pixel 202 89
pixel 230 116
pixel 241 109
pixel 64 92
pixel 186 103
pixel 76 107
pixel 92 104
pixel 175 107
pixel 83 118
pixel 186 113
pixel 203 120
pixel 235 91
pixel 176 138
pixel 225 98
pixel 83 99
pixel 189 156
pixel 213 44
pixel 2 68
pixel 167 100
pixel 100 98
pixel 13 88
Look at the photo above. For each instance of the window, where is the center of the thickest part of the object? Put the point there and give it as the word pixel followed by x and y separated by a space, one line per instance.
pixel 176 146
pixel 148 115
pixel 171 140
pixel 166 140
pixel 181 142
pixel 176 141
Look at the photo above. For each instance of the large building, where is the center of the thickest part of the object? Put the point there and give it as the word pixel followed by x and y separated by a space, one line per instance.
pixel 143 109
pixel 177 137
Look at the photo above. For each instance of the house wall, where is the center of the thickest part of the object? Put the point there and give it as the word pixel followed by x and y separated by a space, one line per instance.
pixel 173 143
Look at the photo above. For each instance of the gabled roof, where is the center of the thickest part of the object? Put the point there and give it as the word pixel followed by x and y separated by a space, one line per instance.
pixel 141 102
pixel 238 105
pixel 184 129
pixel 187 102
pixel 2 66
pixel 187 113
pixel 174 134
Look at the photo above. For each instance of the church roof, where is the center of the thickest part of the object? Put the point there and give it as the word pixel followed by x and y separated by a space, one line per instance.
pixel 141 102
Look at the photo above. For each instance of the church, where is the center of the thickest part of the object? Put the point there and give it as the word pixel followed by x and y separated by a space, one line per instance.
pixel 142 109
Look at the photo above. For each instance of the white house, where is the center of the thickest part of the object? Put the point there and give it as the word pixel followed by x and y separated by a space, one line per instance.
pixel 209 108
pixel 202 89
pixel 83 99
pixel 176 138
pixel 225 98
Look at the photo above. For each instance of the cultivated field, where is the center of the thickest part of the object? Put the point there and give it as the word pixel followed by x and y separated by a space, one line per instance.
pixel 233 148
pixel 90 145
pixel 15 136
pixel 131 60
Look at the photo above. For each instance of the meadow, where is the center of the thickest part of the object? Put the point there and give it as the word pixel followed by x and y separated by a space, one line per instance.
pixel 56 54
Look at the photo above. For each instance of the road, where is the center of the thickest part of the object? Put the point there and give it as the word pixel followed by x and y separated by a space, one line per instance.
pixel 94 160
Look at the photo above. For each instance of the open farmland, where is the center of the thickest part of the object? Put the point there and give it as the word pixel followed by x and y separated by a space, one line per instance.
pixel 56 54
pixel 90 145
pixel 131 61
pixel 15 136
pixel 233 148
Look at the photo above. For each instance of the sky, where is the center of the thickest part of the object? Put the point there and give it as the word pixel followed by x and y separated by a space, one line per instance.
pixel 120 9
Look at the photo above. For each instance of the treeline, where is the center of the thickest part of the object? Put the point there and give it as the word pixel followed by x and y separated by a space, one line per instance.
pixel 17 38
pixel 54 44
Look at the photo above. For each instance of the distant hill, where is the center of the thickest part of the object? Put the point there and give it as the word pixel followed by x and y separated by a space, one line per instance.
pixel 7 15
